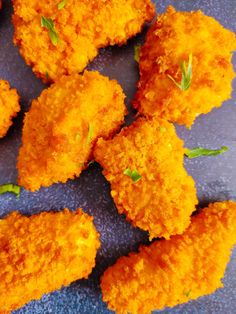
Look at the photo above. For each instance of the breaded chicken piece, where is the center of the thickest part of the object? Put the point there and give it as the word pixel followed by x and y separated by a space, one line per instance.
pixel 64 123
pixel 173 38
pixel 9 106
pixel 163 200
pixel 42 253
pixel 81 26
pixel 170 272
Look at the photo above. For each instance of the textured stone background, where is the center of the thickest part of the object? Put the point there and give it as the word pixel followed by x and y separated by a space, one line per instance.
pixel 215 177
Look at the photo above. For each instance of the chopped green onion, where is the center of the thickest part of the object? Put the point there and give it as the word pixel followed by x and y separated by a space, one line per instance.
pixel 61 5
pixel 187 293
pixel 134 175
pixel 187 74
pixel 77 137
pixel 137 49
pixel 91 162
pixel 10 188
pixel 199 151
pixel 49 24
pixel 90 134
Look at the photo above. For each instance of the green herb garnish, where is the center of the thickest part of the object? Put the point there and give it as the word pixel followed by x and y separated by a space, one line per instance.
pixel 10 188
pixel 187 293
pixel 137 49
pixel 134 175
pixel 61 5
pixel 77 137
pixel 91 162
pixel 90 134
pixel 187 74
pixel 199 151
pixel 49 24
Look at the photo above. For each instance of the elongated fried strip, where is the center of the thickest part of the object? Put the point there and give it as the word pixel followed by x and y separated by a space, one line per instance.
pixel 171 272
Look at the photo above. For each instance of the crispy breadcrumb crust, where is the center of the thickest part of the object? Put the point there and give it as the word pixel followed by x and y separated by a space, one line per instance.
pixel 42 253
pixel 165 197
pixel 83 27
pixel 170 272
pixel 64 123
pixel 9 106
pixel 173 37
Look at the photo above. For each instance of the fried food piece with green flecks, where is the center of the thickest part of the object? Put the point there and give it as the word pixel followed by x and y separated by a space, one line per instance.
pixel 171 272
pixel 63 125
pixel 9 106
pixel 149 184
pixel 72 32
pixel 200 42
pixel 42 253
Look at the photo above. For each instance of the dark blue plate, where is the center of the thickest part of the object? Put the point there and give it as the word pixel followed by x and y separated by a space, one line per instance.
pixel 215 177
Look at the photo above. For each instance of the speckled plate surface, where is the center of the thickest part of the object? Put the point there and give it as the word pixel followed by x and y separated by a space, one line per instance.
pixel 215 177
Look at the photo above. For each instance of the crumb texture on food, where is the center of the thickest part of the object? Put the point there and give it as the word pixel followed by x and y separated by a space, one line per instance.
pixel 63 125
pixel 170 272
pixel 9 106
pixel 42 253
pixel 171 40
pixel 164 198
pixel 82 26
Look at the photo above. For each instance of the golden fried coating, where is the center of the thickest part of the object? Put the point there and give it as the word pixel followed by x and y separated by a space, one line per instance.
pixel 170 272
pixel 82 27
pixel 163 200
pixel 42 253
pixel 170 41
pixel 9 106
pixel 64 123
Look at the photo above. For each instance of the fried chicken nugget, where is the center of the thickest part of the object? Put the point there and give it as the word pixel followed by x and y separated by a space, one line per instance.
pixel 64 123
pixel 78 30
pixel 9 106
pixel 163 200
pixel 170 272
pixel 172 40
pixel 42 253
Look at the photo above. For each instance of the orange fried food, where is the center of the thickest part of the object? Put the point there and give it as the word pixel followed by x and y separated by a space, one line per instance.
pixel 81 27
pixel 163 199
pixel 9 106
pixel 170 272
pixel 64 123
pixel 172 40
pixel 42 253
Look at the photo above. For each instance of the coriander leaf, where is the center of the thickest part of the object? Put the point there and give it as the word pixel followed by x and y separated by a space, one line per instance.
pixel 49 24
pixel 46 74
pixel 187 74
pixel 134 175
pixel 200 151
pixel 137 49
pixel 90 134
pixel 10 188
pixel 61 5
